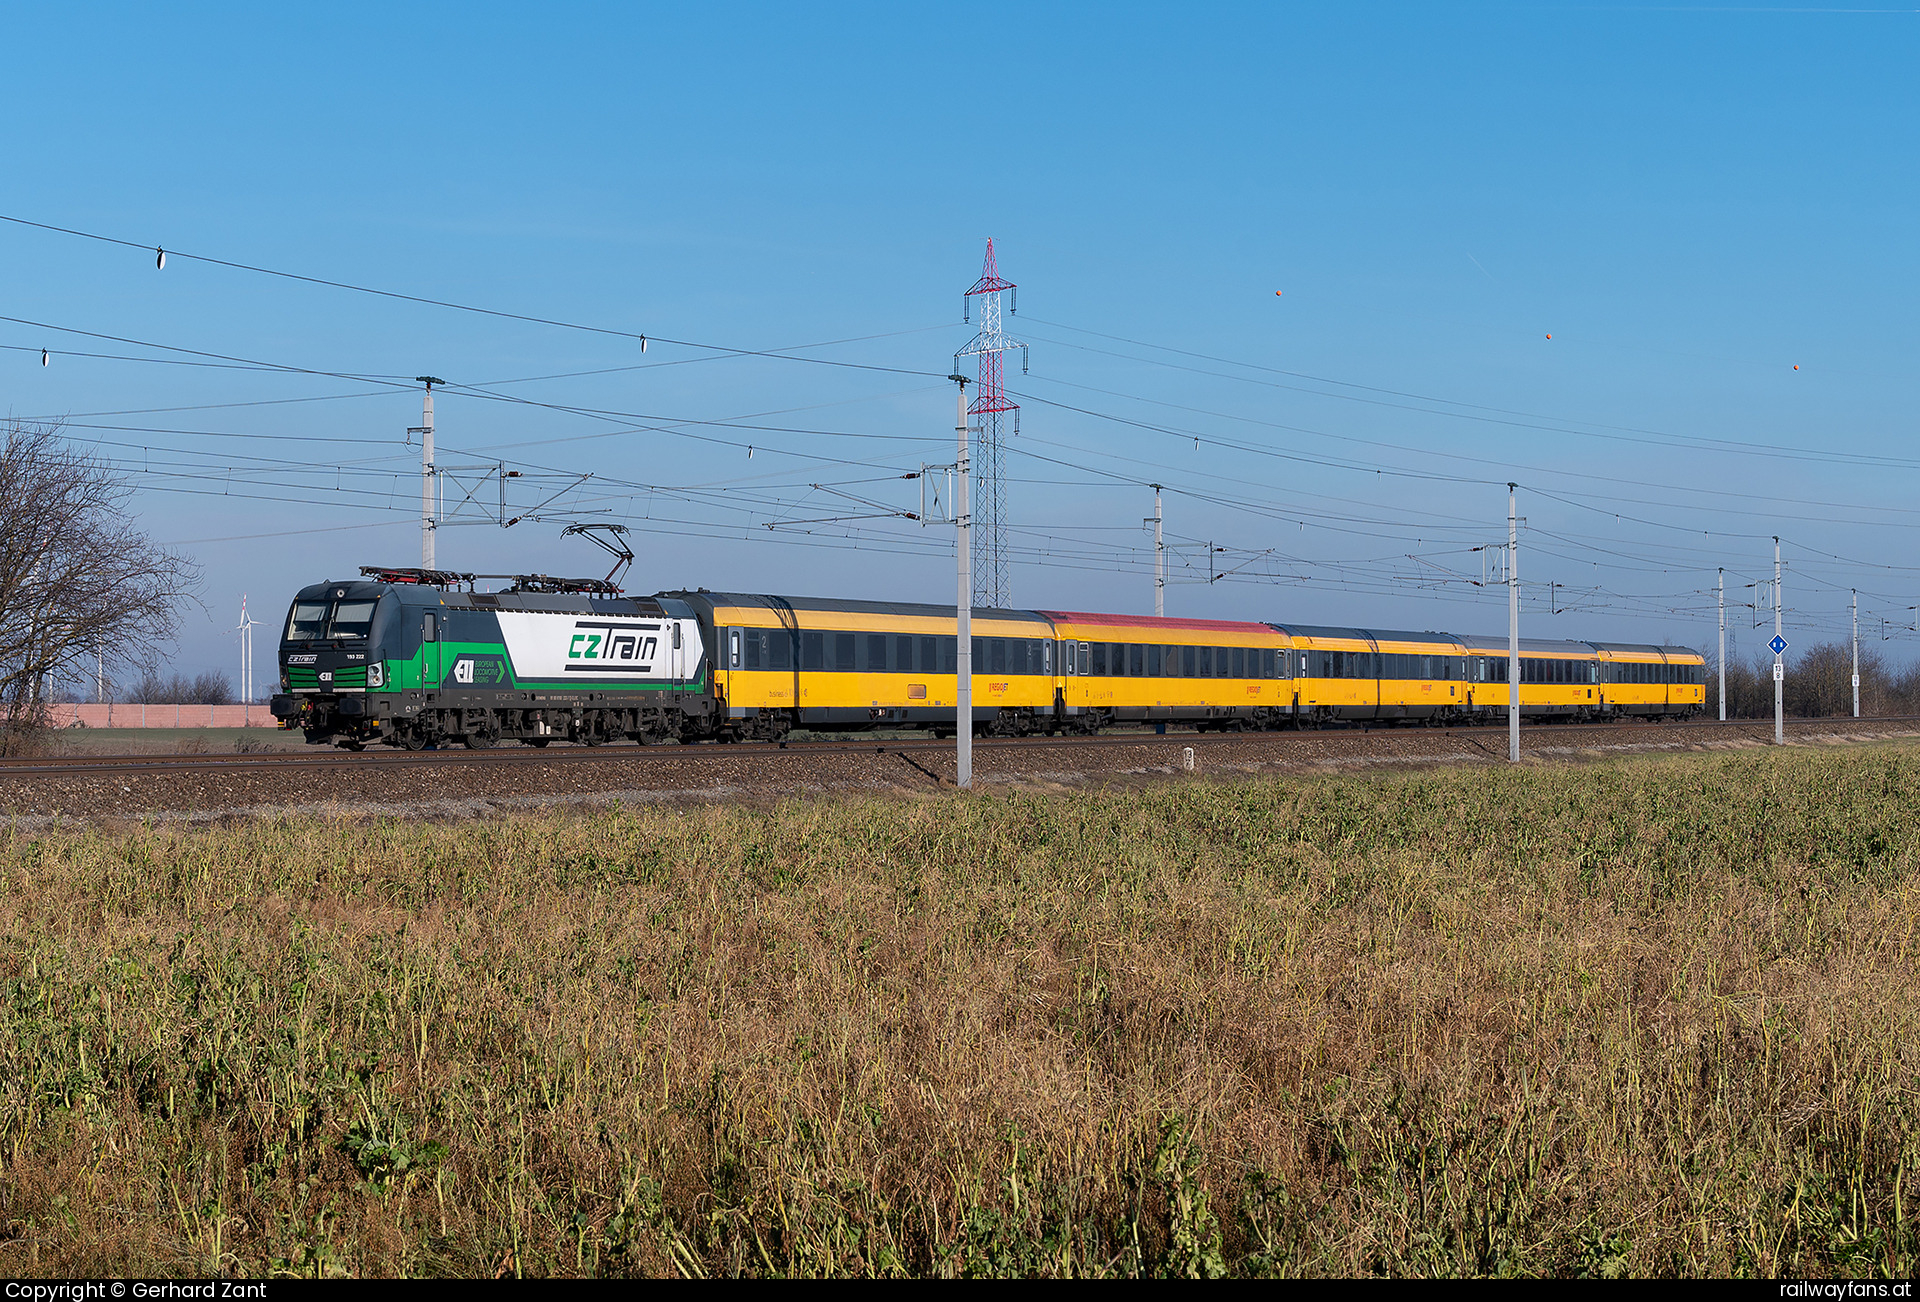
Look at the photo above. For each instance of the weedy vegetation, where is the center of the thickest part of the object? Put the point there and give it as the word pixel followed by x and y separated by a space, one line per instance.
pixel 1646 1017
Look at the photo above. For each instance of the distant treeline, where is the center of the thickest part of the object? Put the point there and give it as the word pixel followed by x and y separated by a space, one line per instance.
pixel 1819 684
pixel 154 688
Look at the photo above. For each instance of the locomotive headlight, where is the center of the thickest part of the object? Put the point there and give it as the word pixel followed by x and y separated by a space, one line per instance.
pixel 376 675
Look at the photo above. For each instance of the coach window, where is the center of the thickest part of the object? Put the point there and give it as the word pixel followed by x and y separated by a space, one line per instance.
pixel 1223 662
pixel 733 651
pixel 1097 664
pixel 843 652
pixel 813 650
pixel 876 653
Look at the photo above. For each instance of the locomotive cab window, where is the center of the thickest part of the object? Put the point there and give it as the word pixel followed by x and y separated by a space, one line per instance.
pixel 307 621
pixel 351 619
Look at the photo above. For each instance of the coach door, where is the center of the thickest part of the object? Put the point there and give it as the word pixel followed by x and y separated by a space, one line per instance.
pixel 679 656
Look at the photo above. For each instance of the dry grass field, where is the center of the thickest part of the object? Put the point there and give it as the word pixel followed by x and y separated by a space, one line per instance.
pixel 1647 1017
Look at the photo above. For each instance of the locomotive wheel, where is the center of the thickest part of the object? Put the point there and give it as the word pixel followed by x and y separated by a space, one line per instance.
pixel 414 739
pixel 480 739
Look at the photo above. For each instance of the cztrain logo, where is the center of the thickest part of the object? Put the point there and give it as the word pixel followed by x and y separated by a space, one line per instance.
pixel 604 648
pixel 618 646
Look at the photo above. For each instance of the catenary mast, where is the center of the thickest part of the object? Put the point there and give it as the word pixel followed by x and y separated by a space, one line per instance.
pixel 992 584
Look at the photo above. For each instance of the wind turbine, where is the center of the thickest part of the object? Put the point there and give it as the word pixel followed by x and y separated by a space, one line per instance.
pixel 245 627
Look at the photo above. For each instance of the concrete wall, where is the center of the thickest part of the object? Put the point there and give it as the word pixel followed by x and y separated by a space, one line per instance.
pixel 162 716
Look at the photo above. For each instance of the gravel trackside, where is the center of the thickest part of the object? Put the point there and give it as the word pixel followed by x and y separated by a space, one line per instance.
pixel 463 785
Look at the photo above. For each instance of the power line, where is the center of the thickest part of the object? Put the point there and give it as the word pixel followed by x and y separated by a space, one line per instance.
pixel 719 349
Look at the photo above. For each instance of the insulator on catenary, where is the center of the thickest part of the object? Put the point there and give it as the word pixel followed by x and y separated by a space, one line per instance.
pixel 159 259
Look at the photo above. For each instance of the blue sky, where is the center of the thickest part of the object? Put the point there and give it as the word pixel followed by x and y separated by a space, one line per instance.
pixel 1690 200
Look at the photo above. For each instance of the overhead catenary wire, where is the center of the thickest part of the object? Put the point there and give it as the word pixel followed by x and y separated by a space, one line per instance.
pixel 640 336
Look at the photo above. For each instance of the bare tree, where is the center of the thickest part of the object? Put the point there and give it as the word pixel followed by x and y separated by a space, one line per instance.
pixel 78 578
pixel 210 688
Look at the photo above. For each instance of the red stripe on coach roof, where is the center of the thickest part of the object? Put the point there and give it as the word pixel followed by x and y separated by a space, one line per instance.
pixel 1149 621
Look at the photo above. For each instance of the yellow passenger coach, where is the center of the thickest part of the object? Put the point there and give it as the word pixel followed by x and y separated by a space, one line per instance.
pixel 786 662
pixel 818 663
pixel 1212 673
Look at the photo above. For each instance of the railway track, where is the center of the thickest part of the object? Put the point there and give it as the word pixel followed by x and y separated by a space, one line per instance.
pixel 1534 735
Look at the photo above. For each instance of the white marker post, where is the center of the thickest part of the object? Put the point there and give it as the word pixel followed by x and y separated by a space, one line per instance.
pixel 1779 645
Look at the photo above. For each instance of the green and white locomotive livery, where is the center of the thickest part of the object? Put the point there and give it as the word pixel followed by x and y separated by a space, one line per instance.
pixel 404 657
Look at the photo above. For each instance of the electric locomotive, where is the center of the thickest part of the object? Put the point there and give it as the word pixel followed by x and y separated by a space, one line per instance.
pixel 403 656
